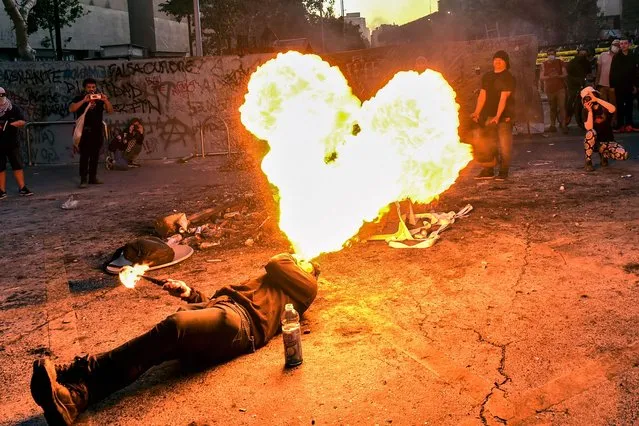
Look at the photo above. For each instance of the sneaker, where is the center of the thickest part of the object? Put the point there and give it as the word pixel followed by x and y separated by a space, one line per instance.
pixel 486 173
pixel 552 129
pixel 61 402
pixel 95 181
pixel 109 163
pixel 564 130
pixel 502 176
pixel 589 167
pixel 604 162
pixel 134 164
pixel 83 184
pixel 25 192
pixel 3 194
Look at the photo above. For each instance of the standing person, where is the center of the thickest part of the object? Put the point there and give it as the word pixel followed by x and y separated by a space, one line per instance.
pixel 623 78
pixel 236 320
pixel 599 136
pixel 11 119
pixel 494 114
pixel 553 74
pixel 603 76
pixel 93 131
pixel 579 69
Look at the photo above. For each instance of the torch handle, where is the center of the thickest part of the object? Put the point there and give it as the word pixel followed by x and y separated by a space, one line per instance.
pixel 156 281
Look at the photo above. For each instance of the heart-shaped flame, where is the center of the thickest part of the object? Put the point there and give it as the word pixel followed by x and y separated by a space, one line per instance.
pixel 338 163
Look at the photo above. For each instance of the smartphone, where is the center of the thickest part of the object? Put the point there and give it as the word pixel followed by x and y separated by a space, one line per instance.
pixel 95 96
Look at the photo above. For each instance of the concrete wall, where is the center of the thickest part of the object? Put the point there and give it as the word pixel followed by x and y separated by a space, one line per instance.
pixel 178 98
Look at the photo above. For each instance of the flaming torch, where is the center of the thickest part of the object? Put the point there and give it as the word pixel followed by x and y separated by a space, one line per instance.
pixel 130 275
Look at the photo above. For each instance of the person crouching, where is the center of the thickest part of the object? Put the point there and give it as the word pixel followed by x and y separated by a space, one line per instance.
pixel 598 125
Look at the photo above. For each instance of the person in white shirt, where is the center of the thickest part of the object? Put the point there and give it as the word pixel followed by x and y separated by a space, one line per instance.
pixel 603 76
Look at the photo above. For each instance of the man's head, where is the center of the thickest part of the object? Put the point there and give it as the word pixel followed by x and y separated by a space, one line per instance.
pixel 614 46
pixel 307 266
pixel 552 53
pixel 501 61
pixel 89 85
pixel 624 45
pixel 582 51
pixel 3 96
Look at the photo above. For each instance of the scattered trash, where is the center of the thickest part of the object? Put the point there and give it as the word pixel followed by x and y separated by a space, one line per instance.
pixel 250 242
pixel 70 204
pixel 175 239
pixel 231 215
pixel 214 260
pixel 206 245
pixel 550 144
pixel 185 159
pixel 168 225
pixel 626 176
pixel 562 188
pixel 484 264
pixel 243 410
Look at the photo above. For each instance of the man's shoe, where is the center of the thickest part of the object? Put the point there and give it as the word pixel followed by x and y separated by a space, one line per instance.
pixel 486 173
pixel 134 164
pixel 61 402
pixel 552 129
pixel 25 192
pixel 604 162
pixel 589 167
pixel 95 181
pixel 3 194
pixel 564 130
pixel 502 176
pixel 83 184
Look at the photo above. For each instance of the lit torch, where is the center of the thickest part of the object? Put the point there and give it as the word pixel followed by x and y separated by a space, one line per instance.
pixel 130 275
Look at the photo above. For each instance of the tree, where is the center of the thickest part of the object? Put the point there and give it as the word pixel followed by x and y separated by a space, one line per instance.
pixel 18 11
pixel 42 16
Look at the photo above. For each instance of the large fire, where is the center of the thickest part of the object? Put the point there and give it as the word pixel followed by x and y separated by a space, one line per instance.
pixel 130 275
pixel 338 163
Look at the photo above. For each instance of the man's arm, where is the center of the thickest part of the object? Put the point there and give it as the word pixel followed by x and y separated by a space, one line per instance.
pixel 481 101
pixel 542 72
pixel 107 104
pixel 588 123
pixel 76 105
pixel 503 98
pixel 179 289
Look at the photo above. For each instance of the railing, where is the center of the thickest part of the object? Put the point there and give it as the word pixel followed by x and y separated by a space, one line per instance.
pixel 50 123
pixel 228 139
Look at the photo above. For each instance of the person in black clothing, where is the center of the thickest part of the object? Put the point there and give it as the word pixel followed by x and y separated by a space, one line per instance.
pixel 579 69
pixel 494 115
pixel 598 123
pixel 126 146
pixel 623 78
pixel 93 131
pixel 11 119
pixel 237 319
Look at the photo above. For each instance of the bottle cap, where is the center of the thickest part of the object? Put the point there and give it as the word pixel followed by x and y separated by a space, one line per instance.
pixel 289 307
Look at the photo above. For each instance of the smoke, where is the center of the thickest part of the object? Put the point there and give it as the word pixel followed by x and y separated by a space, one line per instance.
pixel 378 12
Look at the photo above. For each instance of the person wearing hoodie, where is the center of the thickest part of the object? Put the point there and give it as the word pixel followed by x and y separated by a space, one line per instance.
pixel 11 119
pixel 236 320
pixel 623 78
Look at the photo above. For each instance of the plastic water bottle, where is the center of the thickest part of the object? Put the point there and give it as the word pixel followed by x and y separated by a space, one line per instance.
pixel 292 334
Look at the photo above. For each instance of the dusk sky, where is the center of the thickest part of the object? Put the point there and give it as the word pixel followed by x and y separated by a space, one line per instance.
pixel 379 12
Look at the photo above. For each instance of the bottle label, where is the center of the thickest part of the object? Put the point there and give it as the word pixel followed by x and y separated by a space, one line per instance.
pixel 292 345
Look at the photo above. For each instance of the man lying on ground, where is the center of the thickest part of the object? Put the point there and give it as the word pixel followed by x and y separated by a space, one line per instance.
pixel 236 320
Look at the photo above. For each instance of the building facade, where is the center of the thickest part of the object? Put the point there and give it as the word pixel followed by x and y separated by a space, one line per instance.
pixel 109 28
pixel 356 19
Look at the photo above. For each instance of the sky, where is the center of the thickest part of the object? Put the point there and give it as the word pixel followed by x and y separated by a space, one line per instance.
pixel 379 12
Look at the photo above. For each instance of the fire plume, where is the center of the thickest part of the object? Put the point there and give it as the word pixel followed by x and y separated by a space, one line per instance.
pixel 338 163
pixel 130 275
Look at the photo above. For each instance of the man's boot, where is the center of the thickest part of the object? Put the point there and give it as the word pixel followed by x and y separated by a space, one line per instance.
pixel 62 392
pixel 589 167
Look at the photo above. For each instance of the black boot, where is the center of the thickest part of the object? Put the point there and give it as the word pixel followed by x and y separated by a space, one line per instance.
pixel 61 395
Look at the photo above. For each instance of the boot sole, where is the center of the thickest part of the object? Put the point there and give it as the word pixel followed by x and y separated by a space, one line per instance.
pixel 44 395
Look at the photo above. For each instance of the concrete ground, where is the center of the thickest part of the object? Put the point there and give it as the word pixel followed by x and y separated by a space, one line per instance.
pixel 525 312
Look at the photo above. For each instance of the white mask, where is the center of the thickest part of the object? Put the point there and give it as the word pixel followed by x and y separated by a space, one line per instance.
pixel 614 49
pixel 552 57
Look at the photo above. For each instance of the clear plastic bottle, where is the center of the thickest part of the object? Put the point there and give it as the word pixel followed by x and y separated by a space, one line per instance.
pixel 292 335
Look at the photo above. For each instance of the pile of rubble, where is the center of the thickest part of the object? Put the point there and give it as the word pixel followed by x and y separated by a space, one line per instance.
pixel 232 223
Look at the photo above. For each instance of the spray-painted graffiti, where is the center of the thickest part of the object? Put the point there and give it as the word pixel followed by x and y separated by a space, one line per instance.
pixel 183 100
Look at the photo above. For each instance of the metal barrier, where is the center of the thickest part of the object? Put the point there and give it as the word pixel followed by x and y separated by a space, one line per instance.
pixel 228 139
pixel 49 123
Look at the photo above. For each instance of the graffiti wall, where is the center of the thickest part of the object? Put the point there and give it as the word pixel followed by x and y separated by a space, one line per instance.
pixel 184 102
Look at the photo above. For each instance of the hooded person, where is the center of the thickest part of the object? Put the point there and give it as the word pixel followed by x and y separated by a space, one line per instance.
pixel 598 124
pixel 11 119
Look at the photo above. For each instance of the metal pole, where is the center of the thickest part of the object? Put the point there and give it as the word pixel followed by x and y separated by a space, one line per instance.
pixel 58 36
pixel 198 28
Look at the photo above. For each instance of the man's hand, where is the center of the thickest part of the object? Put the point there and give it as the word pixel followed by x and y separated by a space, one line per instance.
pixel 588 105
pixel 177 288
pixel 475 117
pixel 493 121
